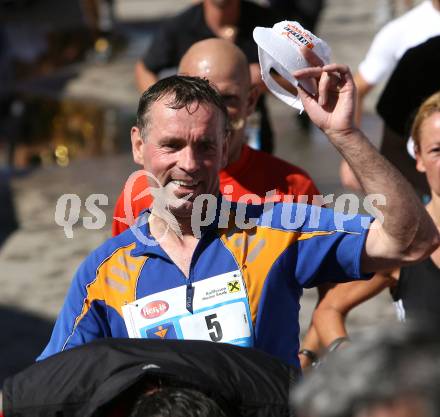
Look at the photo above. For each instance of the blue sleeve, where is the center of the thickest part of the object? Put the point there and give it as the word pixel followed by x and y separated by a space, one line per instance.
pixel 335 253
pixel 81 319
pixel 327 245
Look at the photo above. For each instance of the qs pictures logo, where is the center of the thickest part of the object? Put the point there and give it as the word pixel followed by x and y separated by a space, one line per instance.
pixel 163 199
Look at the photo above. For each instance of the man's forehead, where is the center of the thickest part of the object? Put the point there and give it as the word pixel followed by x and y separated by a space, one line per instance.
pixel 205 118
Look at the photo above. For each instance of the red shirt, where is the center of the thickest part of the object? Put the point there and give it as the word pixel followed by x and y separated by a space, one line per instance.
pixel 255 172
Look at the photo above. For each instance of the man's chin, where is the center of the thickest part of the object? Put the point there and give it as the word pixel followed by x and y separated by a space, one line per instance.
pixel 183 197
pixel 187 202
pixel 184 211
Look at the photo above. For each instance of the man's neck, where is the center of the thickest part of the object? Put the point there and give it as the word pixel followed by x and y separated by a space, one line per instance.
pixel 179 246
pixel 162 227
pixel 218 17
pixel 183 225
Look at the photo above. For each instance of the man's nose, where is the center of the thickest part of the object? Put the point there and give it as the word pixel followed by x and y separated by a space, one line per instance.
pixel 188 160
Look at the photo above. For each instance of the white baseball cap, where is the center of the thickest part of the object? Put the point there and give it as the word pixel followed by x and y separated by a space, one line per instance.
pixel 279 48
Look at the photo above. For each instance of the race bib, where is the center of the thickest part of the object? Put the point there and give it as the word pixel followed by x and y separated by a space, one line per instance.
pixel 221 313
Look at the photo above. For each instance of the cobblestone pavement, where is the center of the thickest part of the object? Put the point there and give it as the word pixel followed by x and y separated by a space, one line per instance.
pixel 38 261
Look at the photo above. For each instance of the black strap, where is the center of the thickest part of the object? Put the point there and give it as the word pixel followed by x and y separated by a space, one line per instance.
pixel 311 355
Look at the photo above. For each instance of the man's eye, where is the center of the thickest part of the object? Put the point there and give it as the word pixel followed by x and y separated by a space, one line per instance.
pixel 171 146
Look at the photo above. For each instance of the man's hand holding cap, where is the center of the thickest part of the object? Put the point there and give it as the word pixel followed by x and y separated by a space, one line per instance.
pixel 287 47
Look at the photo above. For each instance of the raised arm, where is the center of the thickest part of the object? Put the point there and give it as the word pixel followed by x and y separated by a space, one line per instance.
pixel 407 233
pixel 348 179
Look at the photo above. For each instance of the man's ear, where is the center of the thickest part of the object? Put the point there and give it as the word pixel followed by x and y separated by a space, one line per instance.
pixel 137 146
pixel 253 96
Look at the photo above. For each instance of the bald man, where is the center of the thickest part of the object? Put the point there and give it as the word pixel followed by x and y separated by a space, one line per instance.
pixel 248 171
pixel 232 20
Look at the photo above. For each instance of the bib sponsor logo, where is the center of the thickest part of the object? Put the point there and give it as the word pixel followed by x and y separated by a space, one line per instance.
pixel 164 331
pixel 154 309
pixel 233 286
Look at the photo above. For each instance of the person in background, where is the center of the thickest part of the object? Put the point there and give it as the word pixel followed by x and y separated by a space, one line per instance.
pixel 399 102
pixel 232 20
pixel 391 43
pixel 388 47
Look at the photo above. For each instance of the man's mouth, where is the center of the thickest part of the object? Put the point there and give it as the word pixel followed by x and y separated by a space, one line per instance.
pixel 186 183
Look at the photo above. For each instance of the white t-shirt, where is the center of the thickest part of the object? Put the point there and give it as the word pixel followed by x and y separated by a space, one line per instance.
pixel 395 38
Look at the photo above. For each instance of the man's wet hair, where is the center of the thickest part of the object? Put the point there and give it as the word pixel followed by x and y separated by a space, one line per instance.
pixel 181 91
pixel 381 367
pixel 176 402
